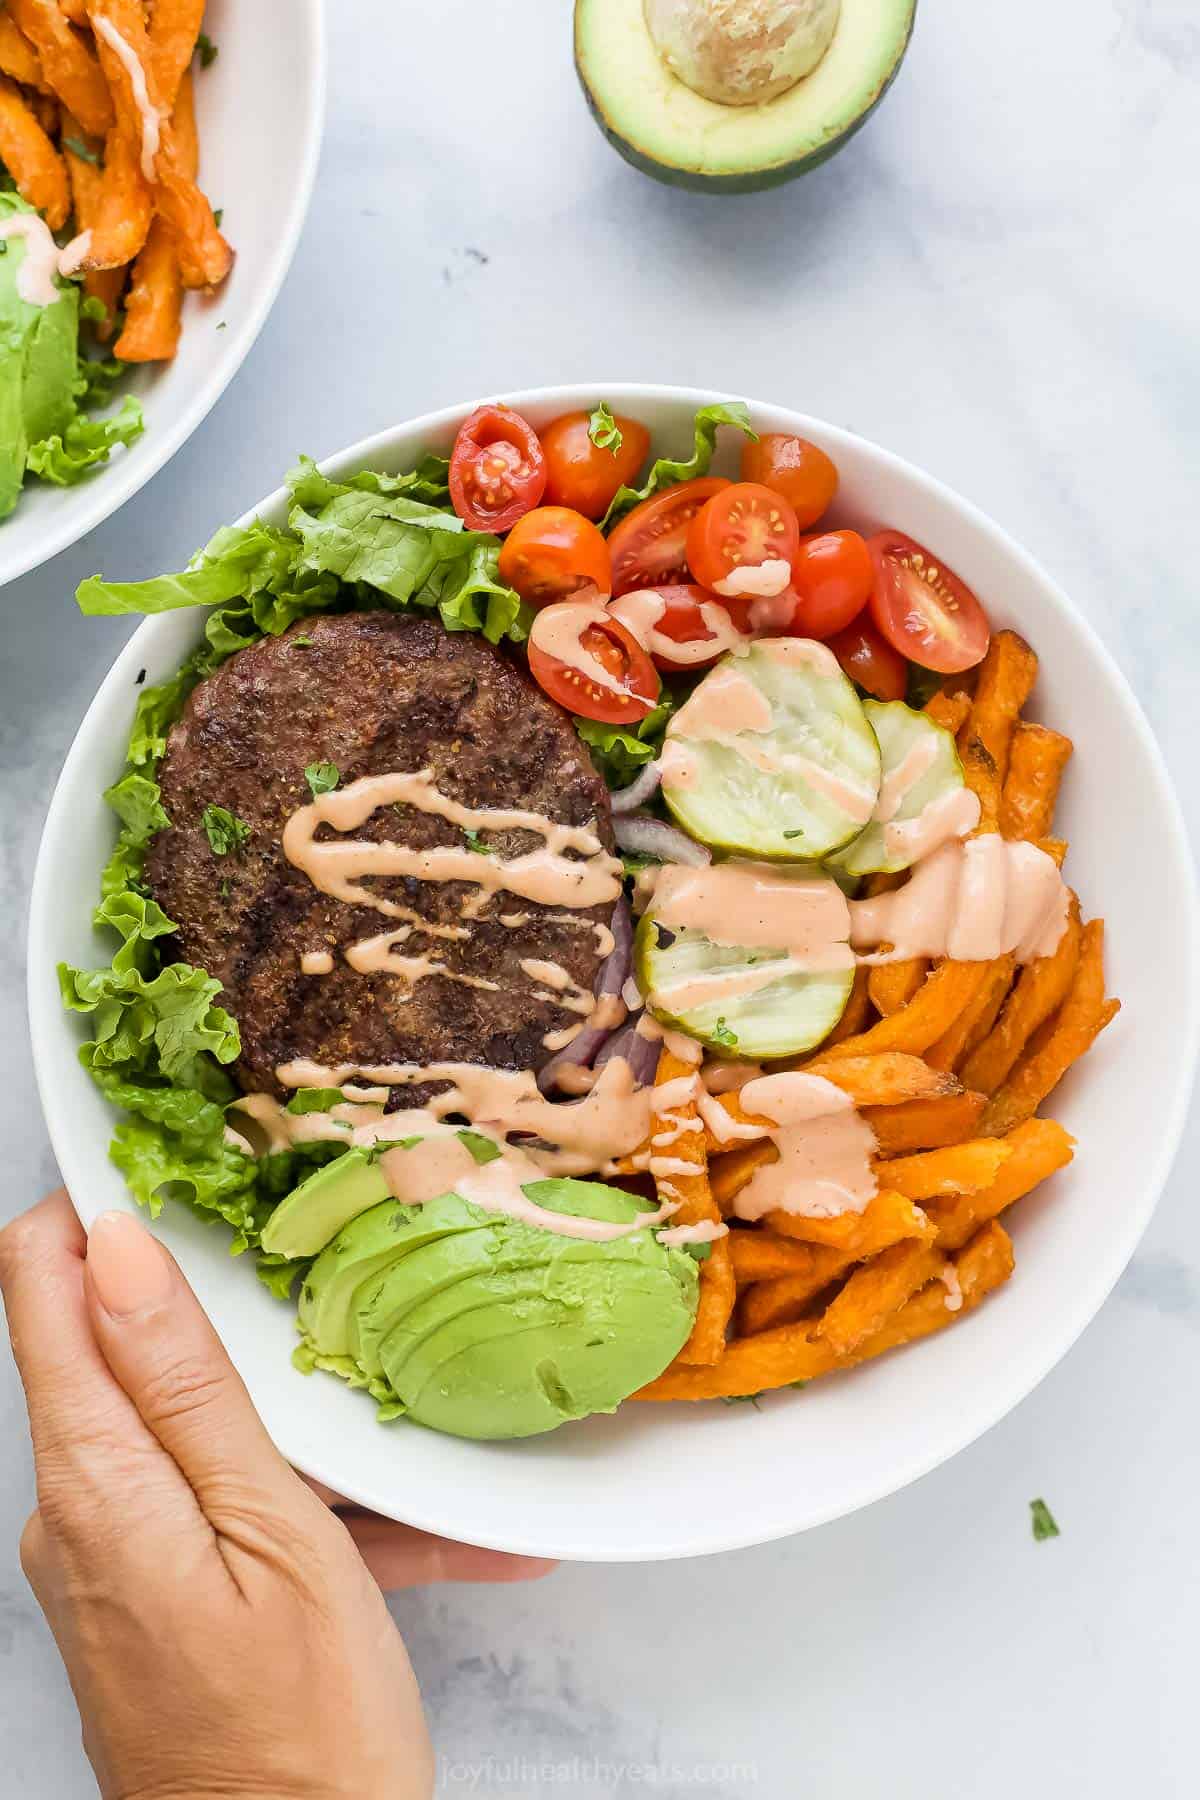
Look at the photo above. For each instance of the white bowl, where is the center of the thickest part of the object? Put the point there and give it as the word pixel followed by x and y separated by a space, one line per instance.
pixel 664 1481
pixel 261 107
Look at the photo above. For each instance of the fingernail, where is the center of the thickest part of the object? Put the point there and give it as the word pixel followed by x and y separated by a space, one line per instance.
pixel 129 1268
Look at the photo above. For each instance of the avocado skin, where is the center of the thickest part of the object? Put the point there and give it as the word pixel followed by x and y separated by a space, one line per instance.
pixel 752 181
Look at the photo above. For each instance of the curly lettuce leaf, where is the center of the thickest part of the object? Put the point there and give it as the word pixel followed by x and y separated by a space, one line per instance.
pixel 66 457
pixel 621 751
pixel 667 471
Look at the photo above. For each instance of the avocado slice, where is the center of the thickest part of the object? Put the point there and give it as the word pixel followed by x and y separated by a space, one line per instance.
pixel 667 129
pixel 370 1243
pixel 38 363
pixel 314 1212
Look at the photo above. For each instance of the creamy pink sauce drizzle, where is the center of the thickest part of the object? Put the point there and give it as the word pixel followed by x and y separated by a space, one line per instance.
pixel 704 1231
pixel 951 815
pixel 42 260
pixel 762 581
pixel 954 1293
pixel 151 118
pixel 377 956
pixel 559 630
pixel 972 902
pixel 641 611
pixel 545 875
pixel 825 1148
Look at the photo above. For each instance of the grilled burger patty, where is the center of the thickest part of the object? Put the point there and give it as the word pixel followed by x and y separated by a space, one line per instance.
pixel 372 693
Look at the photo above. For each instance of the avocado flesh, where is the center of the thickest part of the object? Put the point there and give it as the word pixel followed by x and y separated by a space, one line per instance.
pixel 490 1374
pixel 667 130
pixel 39 347
pixel 372 1242
pixel 332 1196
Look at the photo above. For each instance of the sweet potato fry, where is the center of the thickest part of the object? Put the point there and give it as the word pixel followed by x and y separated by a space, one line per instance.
pixel 124 210
pixel 761 1256
pixel 976 1018
pixel 983 1265
pixel 932 1011
pixel 1039 990
pixel 925 1124
pixel 183 124
pixel 75 11
pixel 892 985
pixel 874 1292
pixel 696 1204
pixel 948 710
pixel 1054 848
pixel 18 58
pixel 1083 1015
pixel 154 310
pixel 174 28
pixel 787 1298
pixel 70 68
pixel 956 1169
pixel 858 1009
pixel 881 1077
pixel 775 1359
pixel 31 158
pixel 1036 1150
pixel 887 1218
pixel 1035 770
pixel 729 1173
pixel 981 776
pixel 87 186
pixel 205 258
pixel 1006 677
pixel 48 113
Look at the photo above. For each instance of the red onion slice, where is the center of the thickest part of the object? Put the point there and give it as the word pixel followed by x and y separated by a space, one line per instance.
pixel 645 836
pixel 611 977
pixel 642 788
pixel 641 1053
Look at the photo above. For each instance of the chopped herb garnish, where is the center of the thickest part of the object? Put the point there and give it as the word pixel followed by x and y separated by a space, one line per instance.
pixel 634 864
pixel 1043 1521
pixel 222 325
pixel 206 50
pixel 664 937
pixel 314 1099
pixel 224 830
pixel 721 1034
pixel 224 890
pixel 483 1149
pixel 604 431
pixel 794 833
pixel 301 640
pixel 476 843
pixel 322 778
pixel 77 147
pixel 218 216
pixel 3 246
pixel 141 676
pixel 741 1399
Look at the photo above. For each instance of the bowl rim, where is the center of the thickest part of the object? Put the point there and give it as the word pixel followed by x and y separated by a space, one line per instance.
pixel 1084 1300
pixel 99 500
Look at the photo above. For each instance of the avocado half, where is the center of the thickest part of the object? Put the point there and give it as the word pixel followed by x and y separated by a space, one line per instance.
pixel 667 130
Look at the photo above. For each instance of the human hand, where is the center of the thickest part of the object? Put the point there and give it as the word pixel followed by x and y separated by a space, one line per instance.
pixel 221 1632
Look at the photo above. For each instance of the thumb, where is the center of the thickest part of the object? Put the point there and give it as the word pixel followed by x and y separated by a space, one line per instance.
pixel 160 1346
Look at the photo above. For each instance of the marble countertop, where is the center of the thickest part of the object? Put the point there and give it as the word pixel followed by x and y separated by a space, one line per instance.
pixel 997 279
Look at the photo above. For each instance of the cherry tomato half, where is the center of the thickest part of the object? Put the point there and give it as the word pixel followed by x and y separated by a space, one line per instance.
pixel 743 541
pixel 584 475
pixel 681 625
pixel 649 546
pixel 793 467
pixel 497 470
pixel 832 577
pixel 552 553
pixel 870 660
pixel 592 664
pixel 923 609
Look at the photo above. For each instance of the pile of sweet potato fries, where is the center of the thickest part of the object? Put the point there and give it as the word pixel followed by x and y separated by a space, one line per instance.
pixel 949 1064
pixel 79 146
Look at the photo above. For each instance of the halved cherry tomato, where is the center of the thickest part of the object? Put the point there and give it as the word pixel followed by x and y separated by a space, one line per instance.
pixel 870 660
pixel 591 664
pixel 703 625
pixel 832 577
pixel 583 475
pixel 743 541
pixel 552 553
pixel 497 470
pixel 650 544
pixel 923 609
pixel 793 467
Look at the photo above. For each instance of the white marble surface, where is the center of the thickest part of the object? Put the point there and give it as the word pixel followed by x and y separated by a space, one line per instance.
pixel 998 280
